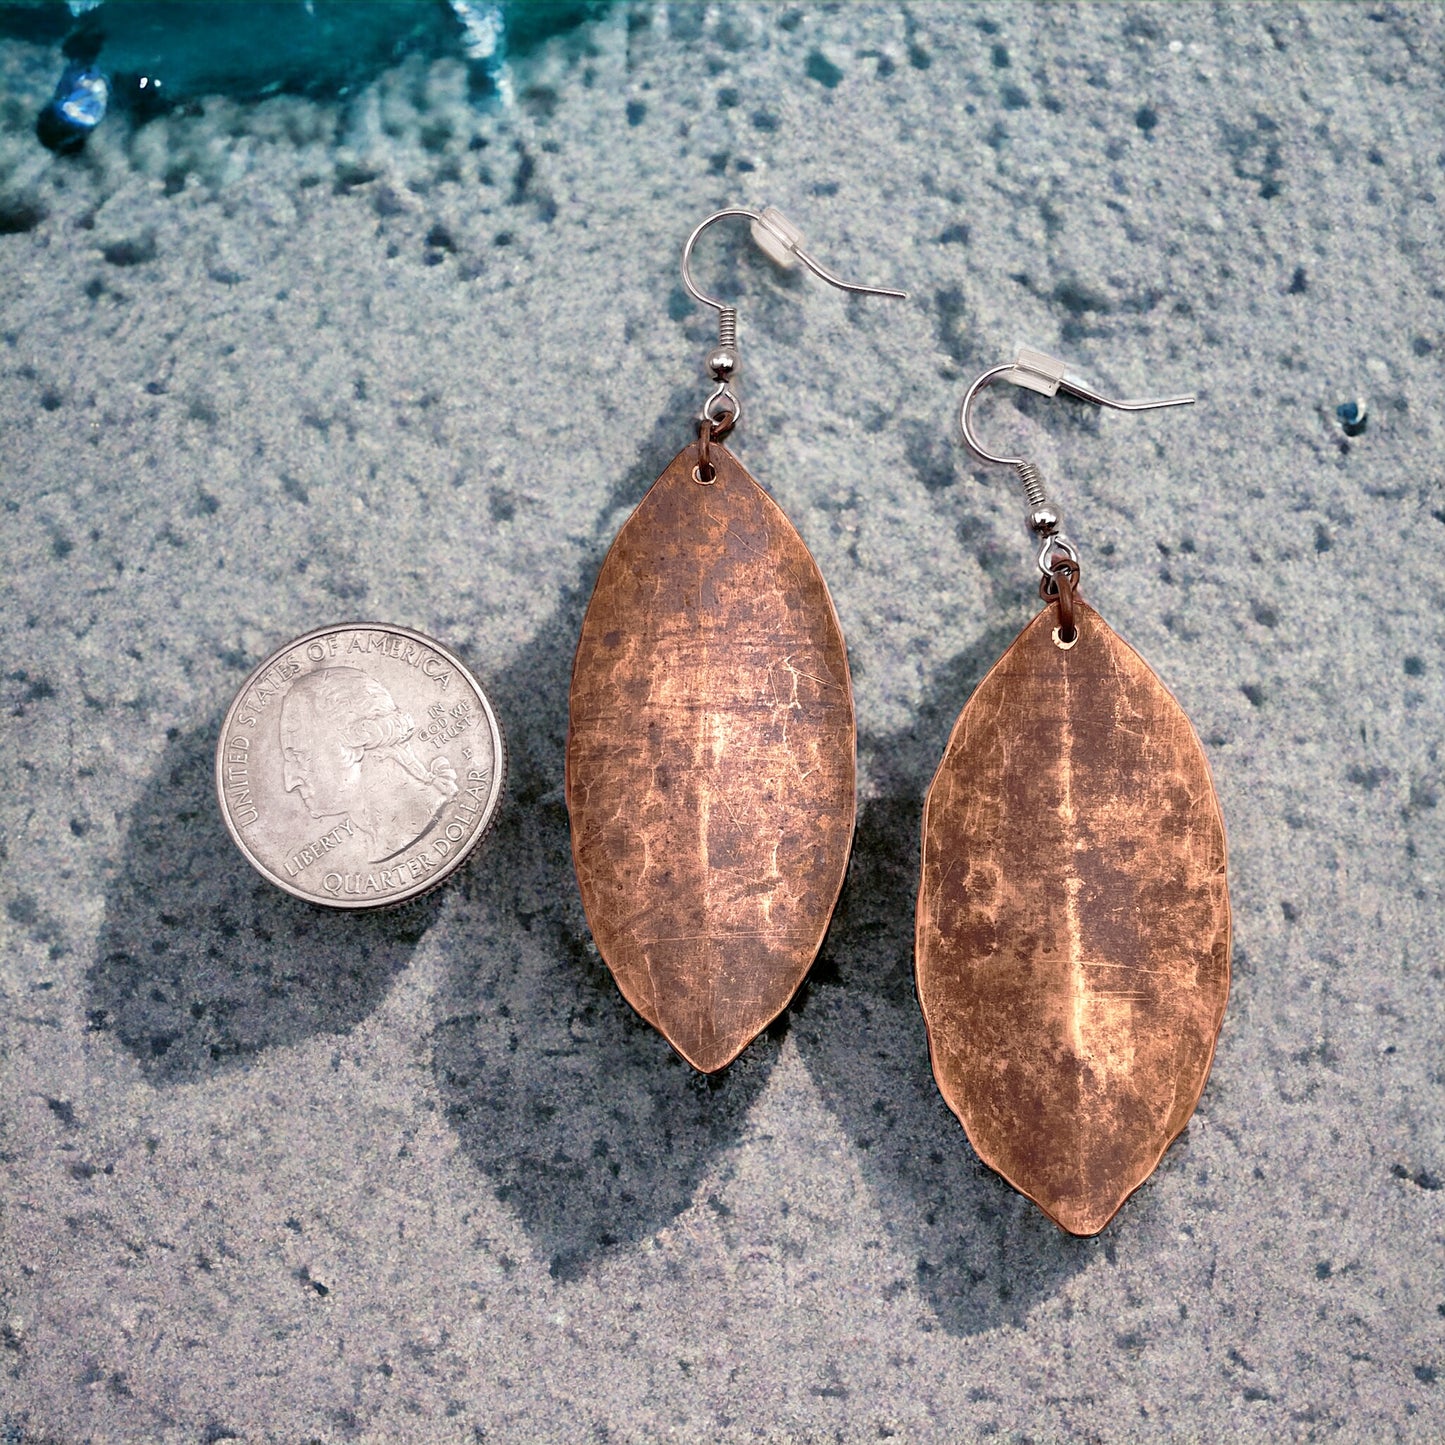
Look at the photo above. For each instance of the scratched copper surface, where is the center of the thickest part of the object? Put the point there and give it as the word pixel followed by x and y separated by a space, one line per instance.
pixel 1072 943
pixel 711 760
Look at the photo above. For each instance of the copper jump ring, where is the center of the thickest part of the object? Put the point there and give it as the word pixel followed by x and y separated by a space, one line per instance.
pixel 704 471
pixel 1060 587
pixel 710 430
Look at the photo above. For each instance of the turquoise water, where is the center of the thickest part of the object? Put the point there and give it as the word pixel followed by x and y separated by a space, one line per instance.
pixel 161 53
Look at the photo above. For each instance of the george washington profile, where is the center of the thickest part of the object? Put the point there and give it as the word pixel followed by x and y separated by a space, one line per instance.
pixel 347 749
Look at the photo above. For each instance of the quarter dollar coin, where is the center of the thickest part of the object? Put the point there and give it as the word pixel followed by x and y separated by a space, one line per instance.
pixel 359 766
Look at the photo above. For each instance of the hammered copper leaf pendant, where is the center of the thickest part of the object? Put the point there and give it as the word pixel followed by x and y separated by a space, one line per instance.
pixel 1073 920
pixel 710 759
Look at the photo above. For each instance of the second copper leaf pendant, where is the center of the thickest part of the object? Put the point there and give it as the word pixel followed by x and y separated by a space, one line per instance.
pixel 711 756
pixel 1073 925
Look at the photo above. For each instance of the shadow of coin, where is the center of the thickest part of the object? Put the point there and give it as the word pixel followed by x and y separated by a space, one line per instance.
pixel 201 963
pixel 595 1132
pixel 982 1254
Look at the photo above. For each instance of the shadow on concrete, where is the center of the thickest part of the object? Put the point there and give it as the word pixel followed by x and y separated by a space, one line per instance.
pixel 201 963
pixel 593 1130
pixel 983 1254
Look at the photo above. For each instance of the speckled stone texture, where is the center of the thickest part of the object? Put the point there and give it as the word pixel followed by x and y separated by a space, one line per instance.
pixel 274 1174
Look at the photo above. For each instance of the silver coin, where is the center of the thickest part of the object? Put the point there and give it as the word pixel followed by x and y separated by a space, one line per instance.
pixel 359 766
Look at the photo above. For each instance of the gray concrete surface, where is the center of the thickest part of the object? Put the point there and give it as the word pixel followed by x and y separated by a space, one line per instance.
pixel 271 1174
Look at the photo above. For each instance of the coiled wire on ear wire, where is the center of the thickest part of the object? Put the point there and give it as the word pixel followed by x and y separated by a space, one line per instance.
pixel 782 242
pixel 1045 374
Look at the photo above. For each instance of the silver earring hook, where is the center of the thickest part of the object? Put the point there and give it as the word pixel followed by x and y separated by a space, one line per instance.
pixel 781 242
pixel 1044 374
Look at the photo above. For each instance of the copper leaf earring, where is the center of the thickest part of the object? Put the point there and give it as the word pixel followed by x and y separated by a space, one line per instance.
pixel 711 753
pixel 1072 946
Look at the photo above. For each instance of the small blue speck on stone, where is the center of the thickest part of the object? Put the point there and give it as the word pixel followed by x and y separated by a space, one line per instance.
pixel 1353 416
